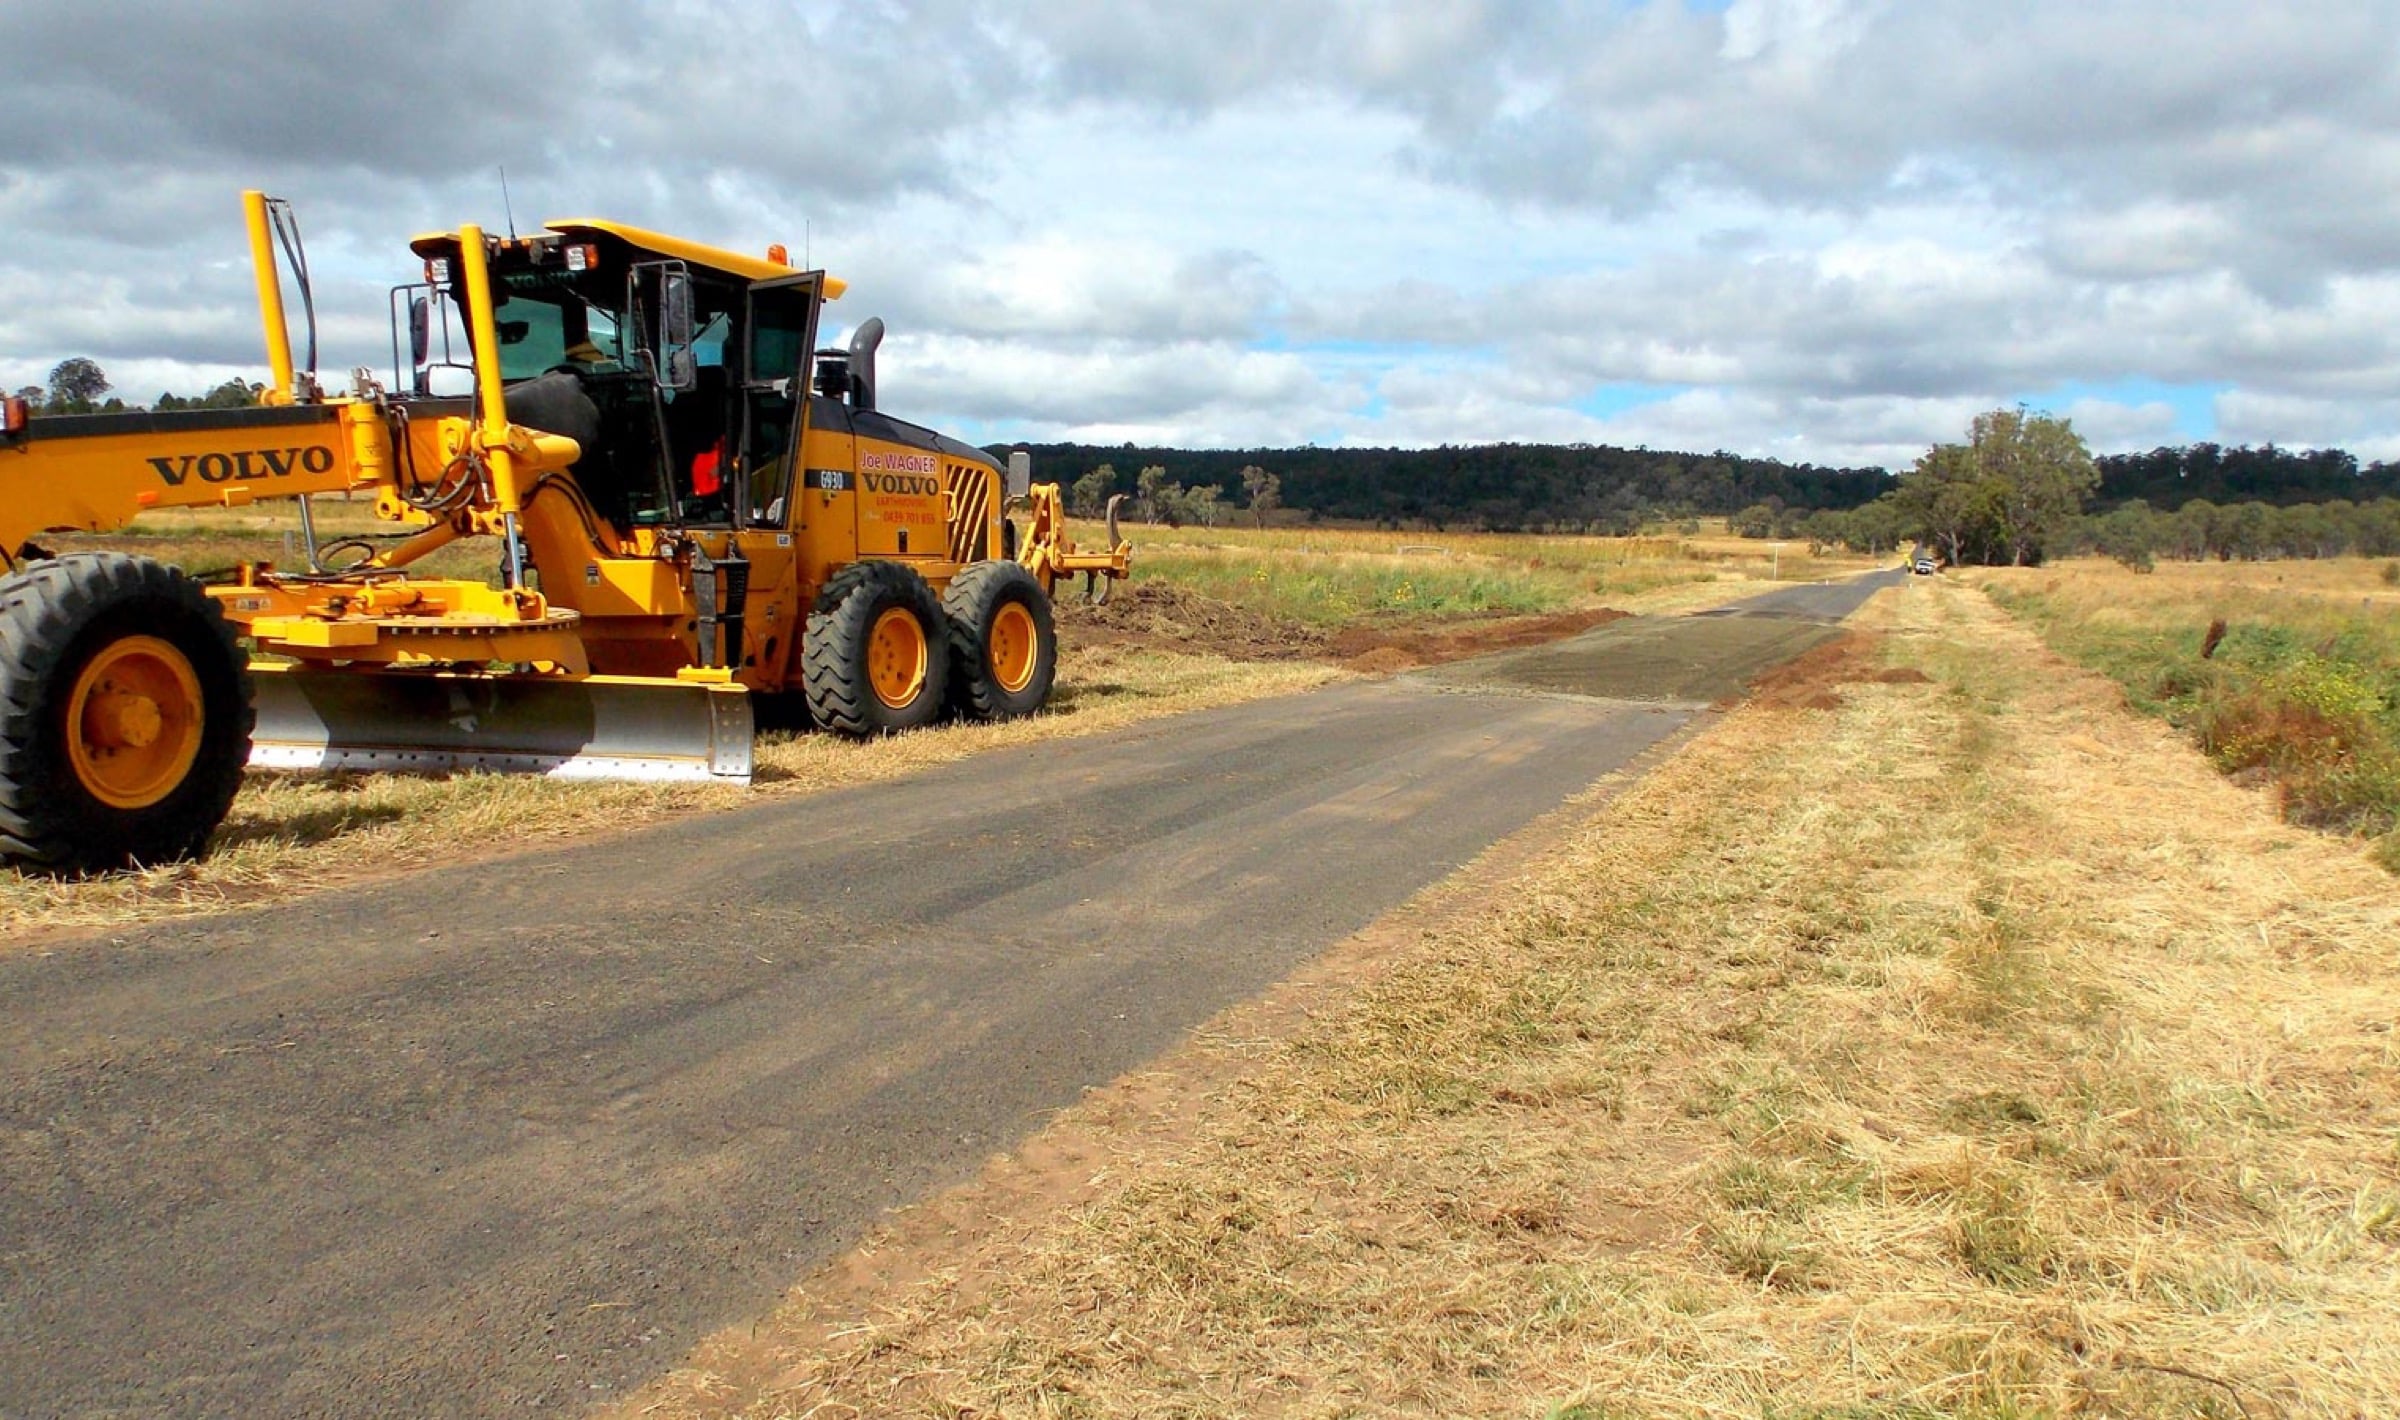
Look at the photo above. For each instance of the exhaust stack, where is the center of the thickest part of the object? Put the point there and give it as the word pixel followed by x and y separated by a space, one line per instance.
pixel 862 361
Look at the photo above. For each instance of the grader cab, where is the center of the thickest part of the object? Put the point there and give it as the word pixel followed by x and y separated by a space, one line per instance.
pixel 689 505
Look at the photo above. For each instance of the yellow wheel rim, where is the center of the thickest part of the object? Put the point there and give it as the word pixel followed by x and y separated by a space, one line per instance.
pixel 133 722
pixel 1016 647
pixel 896 658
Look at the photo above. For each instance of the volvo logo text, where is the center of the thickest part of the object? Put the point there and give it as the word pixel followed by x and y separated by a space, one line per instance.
pixel 243 465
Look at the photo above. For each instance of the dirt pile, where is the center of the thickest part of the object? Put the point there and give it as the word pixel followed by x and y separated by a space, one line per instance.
pixel 1169 618
pixel 1157 615
pixel 1405 645
pixel 1812 681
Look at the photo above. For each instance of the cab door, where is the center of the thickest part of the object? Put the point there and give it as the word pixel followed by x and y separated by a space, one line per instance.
pixel 780 332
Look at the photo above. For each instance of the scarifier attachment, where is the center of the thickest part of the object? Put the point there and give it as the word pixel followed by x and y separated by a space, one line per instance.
pixel 1050 553
pixel 586 727
pixel 1098 580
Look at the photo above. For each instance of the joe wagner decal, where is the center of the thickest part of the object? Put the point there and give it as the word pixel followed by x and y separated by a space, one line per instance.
pixel 908 475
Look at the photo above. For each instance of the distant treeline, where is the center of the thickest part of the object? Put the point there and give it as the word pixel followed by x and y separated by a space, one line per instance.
pixel 79 386
pixel 2132 532
pixel 2168 478
pixel 1493 487
pixel 1592 488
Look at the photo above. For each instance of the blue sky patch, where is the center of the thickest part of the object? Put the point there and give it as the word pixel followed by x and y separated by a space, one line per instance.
pixel 2194 404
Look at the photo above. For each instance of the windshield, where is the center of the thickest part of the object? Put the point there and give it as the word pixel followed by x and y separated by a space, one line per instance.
pixel 545 322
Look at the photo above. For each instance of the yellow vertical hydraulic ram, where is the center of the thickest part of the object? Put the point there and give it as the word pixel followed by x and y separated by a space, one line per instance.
pixel 270 299
pixel 491 401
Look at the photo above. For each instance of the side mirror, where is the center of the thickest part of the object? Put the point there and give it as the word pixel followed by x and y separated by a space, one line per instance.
pixel 675 310
pixel 1020 474
pixel 420 331
pixel 679 370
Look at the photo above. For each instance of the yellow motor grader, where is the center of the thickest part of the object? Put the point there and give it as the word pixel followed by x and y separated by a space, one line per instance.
pixel 691 507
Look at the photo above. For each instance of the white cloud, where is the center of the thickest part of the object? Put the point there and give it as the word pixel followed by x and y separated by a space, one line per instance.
pixel 2369 428
pixel 1062 287
pixel 1831 226
pixel 1099 391
pixel 1795 34
pixel 2110 426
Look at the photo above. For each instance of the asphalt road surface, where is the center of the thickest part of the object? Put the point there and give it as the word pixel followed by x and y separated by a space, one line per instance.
pixel 512 1135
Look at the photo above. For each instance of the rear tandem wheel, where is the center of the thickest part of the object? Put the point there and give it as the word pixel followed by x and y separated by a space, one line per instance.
pixel 1003 644
pixel 874 659
pixel 125 714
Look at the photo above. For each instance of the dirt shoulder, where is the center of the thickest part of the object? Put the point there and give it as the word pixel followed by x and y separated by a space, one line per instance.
pixel 1931 1036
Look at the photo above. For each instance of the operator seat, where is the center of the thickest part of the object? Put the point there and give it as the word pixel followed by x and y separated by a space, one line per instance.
pixel 555 403
pixel 701 424
pixel 699 417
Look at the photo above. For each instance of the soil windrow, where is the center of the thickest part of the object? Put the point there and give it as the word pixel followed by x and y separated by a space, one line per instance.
pixel 1163 617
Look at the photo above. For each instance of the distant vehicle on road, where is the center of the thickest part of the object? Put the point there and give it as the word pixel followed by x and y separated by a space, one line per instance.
pixel 1923 567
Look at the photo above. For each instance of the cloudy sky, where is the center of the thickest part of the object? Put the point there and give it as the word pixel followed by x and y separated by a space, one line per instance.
pixel 1826 230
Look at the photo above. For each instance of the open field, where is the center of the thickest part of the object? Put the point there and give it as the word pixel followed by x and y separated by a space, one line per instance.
pixel 1930 1038
pixel 1325 577
pixel 1152 653
pixel 203 541
pixel 2300 688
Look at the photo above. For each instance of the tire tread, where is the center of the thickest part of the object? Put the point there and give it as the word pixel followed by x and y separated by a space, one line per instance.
pixel 969 604
pixel 833 656
pixel 45 613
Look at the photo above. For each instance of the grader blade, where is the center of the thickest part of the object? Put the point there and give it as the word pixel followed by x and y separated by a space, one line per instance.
pixel 593 727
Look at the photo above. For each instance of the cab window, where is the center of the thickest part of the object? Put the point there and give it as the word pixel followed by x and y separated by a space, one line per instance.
pixel 774 375
pixel 532 337
pixel 544 322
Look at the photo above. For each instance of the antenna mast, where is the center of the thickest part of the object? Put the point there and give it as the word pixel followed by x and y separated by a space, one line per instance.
pixel 504 203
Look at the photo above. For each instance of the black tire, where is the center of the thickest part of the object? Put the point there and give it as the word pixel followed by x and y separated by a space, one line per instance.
pixel 780 710
pixel 67 803
pixel 1003 642
pixel 843 663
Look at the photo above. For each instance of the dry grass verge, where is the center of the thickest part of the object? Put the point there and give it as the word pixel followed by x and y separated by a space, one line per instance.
pixel 1956 1048
pixel 2287 673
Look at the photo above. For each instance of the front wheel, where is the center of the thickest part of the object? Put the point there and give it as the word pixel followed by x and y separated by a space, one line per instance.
pixel 874 659
pixel 125 714
pixel 1003 645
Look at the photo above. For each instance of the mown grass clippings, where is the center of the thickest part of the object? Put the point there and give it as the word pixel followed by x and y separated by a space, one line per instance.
pixel 1995 1233
pixel 1768 1251
pixel 1974 1051
pixel 1991 1111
